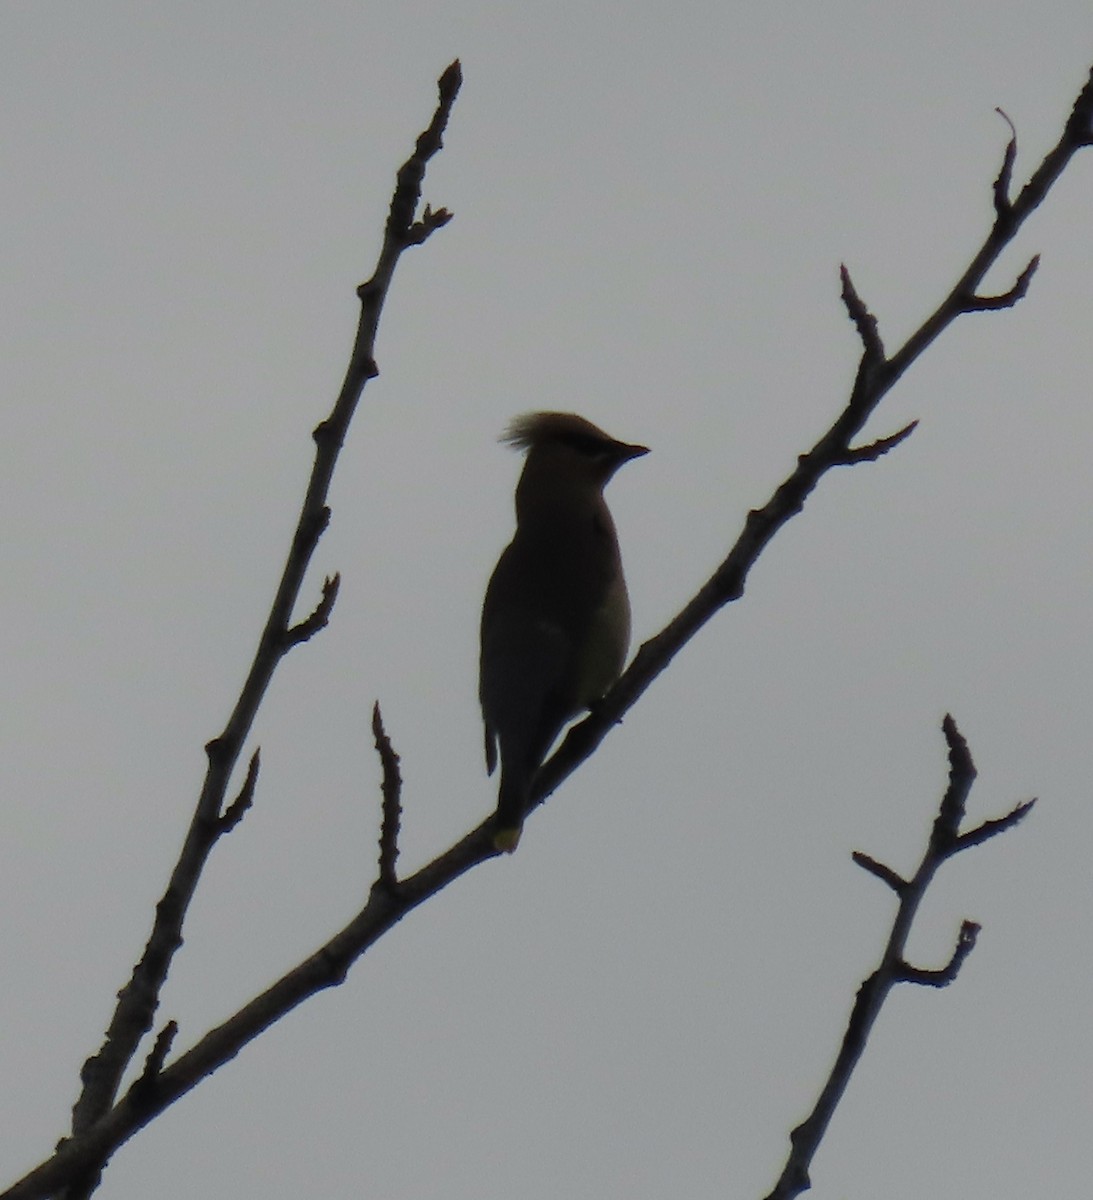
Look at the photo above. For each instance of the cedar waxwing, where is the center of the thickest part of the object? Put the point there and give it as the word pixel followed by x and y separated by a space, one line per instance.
pixel 556 618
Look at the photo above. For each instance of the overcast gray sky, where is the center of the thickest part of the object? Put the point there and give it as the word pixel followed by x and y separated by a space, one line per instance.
pixel 651 205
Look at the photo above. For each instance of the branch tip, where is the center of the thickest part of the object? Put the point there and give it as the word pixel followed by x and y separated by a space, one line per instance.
pixel 401 227
pixel 882 872
pixel 864 321
pixel 961 777
pixel 875 450
pixel 960 758
pixel 238 808
pixel 965 944
pixel 430 222
pixel 319 618
pixel 988 829
pixel 1003 206
pixel 391 807
pixel 450 81
pixel 1079 126
pixel 975 303
pixel 143 1089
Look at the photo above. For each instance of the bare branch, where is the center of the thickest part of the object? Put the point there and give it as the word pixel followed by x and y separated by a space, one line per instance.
pixel 139 998
pixel 1079 126
pixel 881 446
pixel 1002 204
pixel 864 321
pixel 153 1064
pixel 329 965
pixel 100 1124
pixel 884 873
pixel 961 777
pixel 1005 299
pixel 392 808
pixel 320 616
pixel 238 808
pixel 965 944
pixel 430 222
pixel 400 218
pixel 989 829
pixel 892 969
pixel 876 376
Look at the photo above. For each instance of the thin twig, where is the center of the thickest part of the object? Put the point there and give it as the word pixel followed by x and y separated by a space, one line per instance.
pixel 238 808
pixel 144 1088
pixel 892 969
pixel 993 828
pixel 138 999
pixel 883 872
pixel 942 977
pixel 105 1131
pixel 1002 203
pixel 864 321
pixel 320 616
pixel 1004 299
pixel 391 788
pixel 961 777
pixel 881 446
pixel 875 377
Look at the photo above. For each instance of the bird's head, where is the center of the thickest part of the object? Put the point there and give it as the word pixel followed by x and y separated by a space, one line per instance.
pixel 566 448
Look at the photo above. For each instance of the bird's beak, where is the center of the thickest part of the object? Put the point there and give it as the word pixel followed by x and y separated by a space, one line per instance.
pixel 626 452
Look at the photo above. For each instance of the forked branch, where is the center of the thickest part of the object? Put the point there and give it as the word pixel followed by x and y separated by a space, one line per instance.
pixel 101 1121
pixel 945 841
pixel 877 374
pixel 139 998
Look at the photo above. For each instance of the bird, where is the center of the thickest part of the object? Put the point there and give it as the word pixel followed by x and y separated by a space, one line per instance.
pixel 556 615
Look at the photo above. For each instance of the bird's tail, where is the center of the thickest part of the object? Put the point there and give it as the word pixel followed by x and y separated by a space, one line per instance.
pixel 512 803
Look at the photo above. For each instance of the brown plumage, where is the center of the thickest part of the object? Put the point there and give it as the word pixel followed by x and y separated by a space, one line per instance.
pixel 556 617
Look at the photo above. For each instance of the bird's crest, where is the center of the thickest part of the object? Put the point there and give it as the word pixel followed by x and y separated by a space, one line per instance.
pixel 534 428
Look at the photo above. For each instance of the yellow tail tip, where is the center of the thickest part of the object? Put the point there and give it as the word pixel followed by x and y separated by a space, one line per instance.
pixel 506 840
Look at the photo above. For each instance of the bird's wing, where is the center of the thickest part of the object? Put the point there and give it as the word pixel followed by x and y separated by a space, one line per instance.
pixel 524 666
